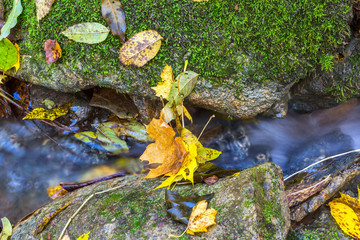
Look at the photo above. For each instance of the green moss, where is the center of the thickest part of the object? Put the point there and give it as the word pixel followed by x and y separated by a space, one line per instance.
pixel 317 234
pixel 216 37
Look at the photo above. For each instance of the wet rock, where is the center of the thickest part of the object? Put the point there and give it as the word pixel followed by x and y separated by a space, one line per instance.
pixel 250 206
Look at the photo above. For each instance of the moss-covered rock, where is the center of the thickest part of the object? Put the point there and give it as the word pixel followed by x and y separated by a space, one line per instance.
pixel 251 205
pixel 245 52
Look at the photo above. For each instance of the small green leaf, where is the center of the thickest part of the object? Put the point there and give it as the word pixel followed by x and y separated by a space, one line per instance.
pixel 89 32
pixel 7 229
pixel 11 21
pixel 111 141
pixel 8 55
pixel 183 85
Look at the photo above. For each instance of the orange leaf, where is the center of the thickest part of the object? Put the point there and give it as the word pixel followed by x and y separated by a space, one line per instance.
pixel 167 150
pixel 201 218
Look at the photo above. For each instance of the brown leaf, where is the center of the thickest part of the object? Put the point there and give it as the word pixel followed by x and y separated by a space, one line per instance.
pixel 43 7
pixel 115 17
pixel 140 48
pixel 300 192
pixel 167 150
pixel 211 180
pixel 52 51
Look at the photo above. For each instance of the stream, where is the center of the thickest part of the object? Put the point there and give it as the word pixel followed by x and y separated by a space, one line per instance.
pixel 30 162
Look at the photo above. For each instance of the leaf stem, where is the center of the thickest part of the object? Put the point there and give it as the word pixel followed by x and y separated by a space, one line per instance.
pixel 212 116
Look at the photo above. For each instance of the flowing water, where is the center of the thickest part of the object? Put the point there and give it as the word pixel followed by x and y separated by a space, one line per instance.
pixel 30 162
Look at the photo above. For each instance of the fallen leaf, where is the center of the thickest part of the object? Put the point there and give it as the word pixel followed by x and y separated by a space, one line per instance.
pixel 115 17
pixel 130 128
pixel 180 207
pixel 9 55
pixel 50 104
pixel 84 236
pixel 168 150
pixel 52 51
pixel 162 89
pixel 11 21
pixel 346 211
pixel 46 219
pixel 211 180
pixel 201 218
pixel 50 114
pixel 183 86
pixel 89 32
pixel 55 192
pixel 140 48
pixel 6 229
pixel 300 192
pixel 43 7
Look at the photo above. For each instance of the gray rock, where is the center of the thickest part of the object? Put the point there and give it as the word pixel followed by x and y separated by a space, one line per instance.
pixel 251 205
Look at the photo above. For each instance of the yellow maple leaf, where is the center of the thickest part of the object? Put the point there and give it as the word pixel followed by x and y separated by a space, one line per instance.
pixel 50 114
pixel 167 80
pixel 346 211
pixel 201 218
pixel 84 236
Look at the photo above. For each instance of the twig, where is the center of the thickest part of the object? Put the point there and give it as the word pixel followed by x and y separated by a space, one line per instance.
pixel 323 160
pixel 83 204
pixel 212 116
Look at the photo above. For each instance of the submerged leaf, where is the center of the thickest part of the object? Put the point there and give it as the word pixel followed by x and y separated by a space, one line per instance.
pixel 140 48
pixel 46 219
pixel 50 114
pixel 130 128
pixel 6 229
pixel 8 55
pixel 11 21
pixel 167 150
pixel 115 18
pixel 52 51
pixel 43 7
pixel 89 32
pixel 201 218
pixel 346 211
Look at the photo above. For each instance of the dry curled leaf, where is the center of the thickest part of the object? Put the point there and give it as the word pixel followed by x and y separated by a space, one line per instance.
pixel 114 16
pixel 46 219
pixel 300 192
pixel 201 218
pixel 346 211
pixel 140 48
pixel 43 7
pixel 167 150
pixel 52 51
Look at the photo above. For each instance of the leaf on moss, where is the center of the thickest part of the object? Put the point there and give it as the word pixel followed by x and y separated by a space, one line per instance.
pixel 162 89
pixel 55 192
pixel 52 51
pixel 43 7
pixel 300 192
pixel 9 55
pixel 201 218
pixel 84 236
pixel 49 114
pixel 6 229
pixel 46 219
pixel 140 48
pixel 168 151
pixel 346 211
pixel 114 16
pixel 88 32
pixel 11 21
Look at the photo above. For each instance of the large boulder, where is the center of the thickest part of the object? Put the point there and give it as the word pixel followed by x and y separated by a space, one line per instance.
pixel 248 54
pixel 251 205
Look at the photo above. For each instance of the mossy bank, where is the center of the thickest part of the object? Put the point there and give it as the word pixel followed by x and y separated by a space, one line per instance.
pixel 230 43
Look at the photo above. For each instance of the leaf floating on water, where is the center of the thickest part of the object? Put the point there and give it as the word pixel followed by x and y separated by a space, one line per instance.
pixel 43 7
pixel 52 51
pixel 115 18
pixel 6 229
pixel 9 55
pixel 11 21
pixel 130 128
pixel 140 48
pixel 201 218
pixel 55 192
pixel 162 89
pixel 346 210
pixel 84 236
pixel 89 32
pixel 46 219
pixel 300 192
pixel 50 114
